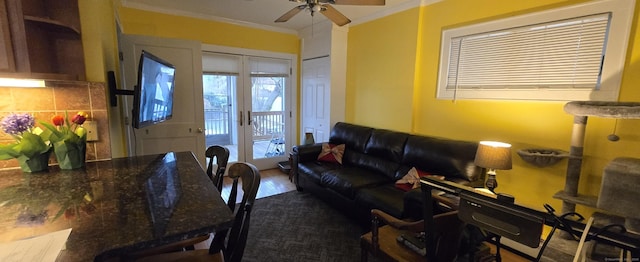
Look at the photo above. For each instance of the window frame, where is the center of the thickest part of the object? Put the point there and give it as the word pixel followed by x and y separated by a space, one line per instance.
pixel 613 64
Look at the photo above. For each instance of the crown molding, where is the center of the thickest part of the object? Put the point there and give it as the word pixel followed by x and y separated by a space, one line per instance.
pixel 389 11
pixel 395 9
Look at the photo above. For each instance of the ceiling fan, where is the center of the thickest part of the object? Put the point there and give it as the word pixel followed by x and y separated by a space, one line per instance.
pixel 324 7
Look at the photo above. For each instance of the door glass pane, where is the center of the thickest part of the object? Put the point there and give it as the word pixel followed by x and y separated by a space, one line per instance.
pixel 267 102
pixel 218 92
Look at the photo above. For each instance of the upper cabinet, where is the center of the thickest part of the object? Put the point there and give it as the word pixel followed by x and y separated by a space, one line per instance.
pixel 43 39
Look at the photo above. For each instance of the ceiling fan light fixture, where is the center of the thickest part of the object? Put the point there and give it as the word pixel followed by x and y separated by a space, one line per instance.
pixel 324 7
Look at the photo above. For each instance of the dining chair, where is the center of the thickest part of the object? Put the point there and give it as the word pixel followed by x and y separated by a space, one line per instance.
pixel 227 245
pixel 221 155
pixel 383 241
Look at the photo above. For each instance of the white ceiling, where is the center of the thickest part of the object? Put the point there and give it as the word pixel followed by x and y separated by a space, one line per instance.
pixel 262 13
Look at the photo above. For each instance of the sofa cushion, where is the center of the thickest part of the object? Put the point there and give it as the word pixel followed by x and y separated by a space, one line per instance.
pixel 314 169
pixel 348 180
pixel 331 153
pixel 440 156
pixel 412 179
pixel 386 144
pixel 355 137
pixel 371 163
pixel 385 197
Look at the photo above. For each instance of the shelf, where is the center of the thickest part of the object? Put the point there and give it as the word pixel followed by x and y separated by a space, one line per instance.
pixel 44 76
pixel 45 39
pixel 53 25
pixel 621 110
pixel 585 200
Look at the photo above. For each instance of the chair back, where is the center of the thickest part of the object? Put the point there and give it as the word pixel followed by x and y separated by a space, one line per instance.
pixel 247 176
pixel 221 155
pixel 447 235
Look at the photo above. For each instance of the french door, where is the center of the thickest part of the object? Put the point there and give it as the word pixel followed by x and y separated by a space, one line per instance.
pixel 247 106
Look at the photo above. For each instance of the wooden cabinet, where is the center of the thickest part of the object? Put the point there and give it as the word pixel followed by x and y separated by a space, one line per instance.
pixel 7 63
pixel 45 39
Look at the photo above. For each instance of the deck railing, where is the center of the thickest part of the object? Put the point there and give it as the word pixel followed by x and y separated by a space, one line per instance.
pixel 216 122
pixel 266 125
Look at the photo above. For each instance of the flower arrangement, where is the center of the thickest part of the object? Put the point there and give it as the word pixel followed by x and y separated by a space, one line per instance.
pixel 69 139
pixel 65 130
pixel 31 148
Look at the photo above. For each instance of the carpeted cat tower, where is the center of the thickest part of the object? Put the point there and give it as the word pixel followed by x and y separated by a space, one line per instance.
pixel 620 189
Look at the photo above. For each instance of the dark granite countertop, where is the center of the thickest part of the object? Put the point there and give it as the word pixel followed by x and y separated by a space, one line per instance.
pixel 114 206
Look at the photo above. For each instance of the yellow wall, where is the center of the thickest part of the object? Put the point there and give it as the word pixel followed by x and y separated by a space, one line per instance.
pixel 138 22
pixel 525 124
pixel 98 38
pixel 380 70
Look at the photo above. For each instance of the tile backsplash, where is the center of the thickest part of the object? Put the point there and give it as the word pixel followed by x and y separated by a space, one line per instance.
pixel 55 99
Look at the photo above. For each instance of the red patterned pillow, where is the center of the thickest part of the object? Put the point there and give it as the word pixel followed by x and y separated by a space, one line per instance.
pixel 412 179
pixel 331 153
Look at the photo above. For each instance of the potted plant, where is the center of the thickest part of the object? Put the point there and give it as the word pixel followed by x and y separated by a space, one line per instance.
pixel 69 139
pixel 30 148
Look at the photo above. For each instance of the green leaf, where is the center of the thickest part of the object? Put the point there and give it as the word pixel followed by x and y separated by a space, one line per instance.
pixel 31 145
pixel 51 133
pixel 8 152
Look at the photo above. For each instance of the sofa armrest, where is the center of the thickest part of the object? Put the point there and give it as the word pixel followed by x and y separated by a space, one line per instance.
pixel 300 154
pixel 306 153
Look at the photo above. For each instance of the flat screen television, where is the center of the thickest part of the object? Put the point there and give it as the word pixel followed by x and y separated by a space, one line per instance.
pixel 153 93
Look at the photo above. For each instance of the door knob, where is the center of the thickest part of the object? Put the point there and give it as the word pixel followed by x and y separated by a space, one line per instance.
pixel 200 130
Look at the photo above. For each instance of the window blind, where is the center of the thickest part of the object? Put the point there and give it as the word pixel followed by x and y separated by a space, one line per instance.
pixel 563 54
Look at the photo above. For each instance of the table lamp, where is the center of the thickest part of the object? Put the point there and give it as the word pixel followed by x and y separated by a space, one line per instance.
pixel 493 155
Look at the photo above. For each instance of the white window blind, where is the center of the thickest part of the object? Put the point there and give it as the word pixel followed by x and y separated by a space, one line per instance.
pixel 559 54
pixel 574 52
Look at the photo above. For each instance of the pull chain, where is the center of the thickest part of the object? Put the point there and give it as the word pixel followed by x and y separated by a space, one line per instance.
pixel 613 137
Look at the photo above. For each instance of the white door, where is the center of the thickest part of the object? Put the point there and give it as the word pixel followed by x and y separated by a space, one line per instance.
pixel 184 131
pixel 247 106
pixel 316 88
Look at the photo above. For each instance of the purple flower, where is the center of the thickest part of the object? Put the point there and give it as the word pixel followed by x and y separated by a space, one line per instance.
pixel 16 124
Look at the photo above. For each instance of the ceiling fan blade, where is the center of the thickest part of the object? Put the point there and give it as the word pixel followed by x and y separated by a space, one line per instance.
pixel 358 2
pixel 288 15
pixel 334 15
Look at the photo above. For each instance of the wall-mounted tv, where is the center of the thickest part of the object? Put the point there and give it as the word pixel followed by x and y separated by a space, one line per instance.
pixel 153 93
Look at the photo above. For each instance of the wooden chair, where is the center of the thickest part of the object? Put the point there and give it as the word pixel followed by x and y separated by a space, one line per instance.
pixel 382 240
pixel 221 155
pixel 227 245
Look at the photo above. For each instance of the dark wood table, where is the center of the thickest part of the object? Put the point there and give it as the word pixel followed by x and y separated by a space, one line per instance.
pixel 113 207
pixel 625 240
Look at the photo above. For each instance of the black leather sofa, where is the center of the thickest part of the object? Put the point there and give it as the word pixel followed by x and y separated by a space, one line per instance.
pixel 373 160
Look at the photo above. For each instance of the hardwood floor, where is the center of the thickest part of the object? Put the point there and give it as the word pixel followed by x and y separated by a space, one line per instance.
pixel 272 182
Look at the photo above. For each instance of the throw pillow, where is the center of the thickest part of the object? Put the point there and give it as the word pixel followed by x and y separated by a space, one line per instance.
pixel 331 153
pixel 412 179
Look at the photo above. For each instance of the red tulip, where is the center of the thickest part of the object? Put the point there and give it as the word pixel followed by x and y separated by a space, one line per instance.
pixel 57 120
pixel 80 117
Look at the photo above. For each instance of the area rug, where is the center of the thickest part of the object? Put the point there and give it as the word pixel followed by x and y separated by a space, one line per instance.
pixel 296 226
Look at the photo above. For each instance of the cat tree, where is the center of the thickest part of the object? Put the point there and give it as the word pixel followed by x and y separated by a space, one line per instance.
pixel 618 196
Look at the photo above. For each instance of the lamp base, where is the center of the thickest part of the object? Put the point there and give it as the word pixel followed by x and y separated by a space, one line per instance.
pixel 491 183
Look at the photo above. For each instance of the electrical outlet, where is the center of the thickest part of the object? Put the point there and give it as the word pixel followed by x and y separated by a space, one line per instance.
pixel 92 130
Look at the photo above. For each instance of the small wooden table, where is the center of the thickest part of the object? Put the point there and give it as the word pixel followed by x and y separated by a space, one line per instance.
pixel 113 207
